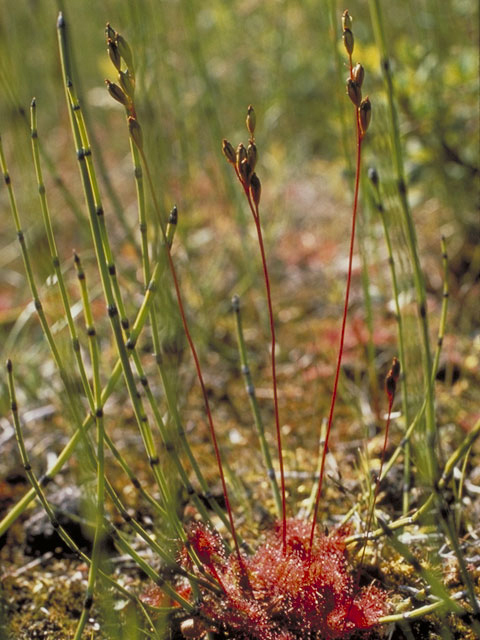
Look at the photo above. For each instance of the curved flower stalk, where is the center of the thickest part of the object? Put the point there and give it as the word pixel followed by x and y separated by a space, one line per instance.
pixel 363 114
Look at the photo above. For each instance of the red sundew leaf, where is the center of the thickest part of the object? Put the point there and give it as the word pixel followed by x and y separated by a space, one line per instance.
pixel 289 595
pixel 207 545
pixel 154 597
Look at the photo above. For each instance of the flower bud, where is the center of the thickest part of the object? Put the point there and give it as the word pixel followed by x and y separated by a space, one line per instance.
pixel 358 74
pixel 354 92
pixel 348 41
pixel 392 378
pixel 245 171
pixel 255 189
pixel 110 33
pixel 114 54
pixel 251 120
pixel 241 155
pixel 135 131
pixel 365 111
pixel 125 51
pixel 395 370
pixel 390 385
pixel 117 93
pixel 229 151
pixel 346 20
pixel 252 155
pixel 127 82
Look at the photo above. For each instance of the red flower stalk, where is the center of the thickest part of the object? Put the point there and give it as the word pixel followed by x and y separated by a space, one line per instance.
pixel 362 120
pixel 244 161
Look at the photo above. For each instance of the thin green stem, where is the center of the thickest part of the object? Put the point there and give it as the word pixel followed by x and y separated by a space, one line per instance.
pixel 54 256
pixel 38 491
pixel 72 444
pixel 171 403
pixel 109 280
pixel 377 21
pixel 100 494
pixel 80 434
pixel 420 612
pixel 254 406
pixel 197 365
pixel 400 337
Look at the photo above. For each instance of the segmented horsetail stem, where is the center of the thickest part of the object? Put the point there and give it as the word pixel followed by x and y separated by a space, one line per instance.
pixel 252 188
pixel 198 368
pixel 360 133
pixel 38 491
pixel 72 444
pixel 136 147
pixel 391 380
pixel 54 254
pixel 98 411
pixel 81 428
pixel 91 334
pixel 411 237
pixel 110 286
pixel 254 405
pixel 380 207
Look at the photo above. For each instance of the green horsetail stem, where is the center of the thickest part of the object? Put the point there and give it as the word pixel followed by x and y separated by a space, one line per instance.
pixel 100 494
pixel 109 280
pixel 97 409
pixel 419 415
pixel 70 447
pixel 171 402
pixel 55 258
pixel 81 428
pixel 431 430
pixel 36 486
pixel 267 458
pixel 379 206
pixel 91 333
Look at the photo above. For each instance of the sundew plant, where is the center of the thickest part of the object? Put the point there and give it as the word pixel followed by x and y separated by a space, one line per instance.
pixel 186 523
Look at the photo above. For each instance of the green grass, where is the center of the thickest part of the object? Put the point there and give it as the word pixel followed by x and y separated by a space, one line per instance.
pixel 197 68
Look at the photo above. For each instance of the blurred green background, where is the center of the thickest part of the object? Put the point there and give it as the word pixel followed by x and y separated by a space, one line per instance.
pixel 199 64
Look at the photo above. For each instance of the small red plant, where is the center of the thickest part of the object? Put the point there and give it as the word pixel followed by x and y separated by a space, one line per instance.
pixel 293 593
pixel 298 584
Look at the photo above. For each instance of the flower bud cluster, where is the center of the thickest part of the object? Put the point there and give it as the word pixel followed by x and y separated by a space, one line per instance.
pixel 121 57
pixel 356 77
pixel 244 159
pixel 392 378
